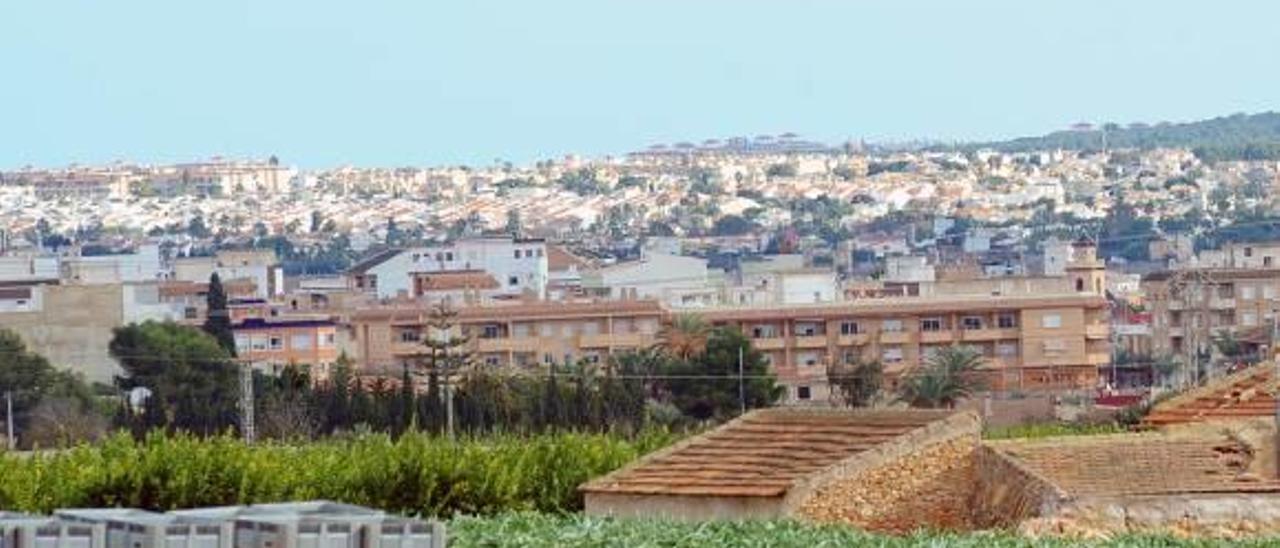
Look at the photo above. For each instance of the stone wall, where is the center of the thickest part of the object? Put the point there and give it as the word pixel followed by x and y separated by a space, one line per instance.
pixel 682 508
pixel 922 480
pixel 1006 493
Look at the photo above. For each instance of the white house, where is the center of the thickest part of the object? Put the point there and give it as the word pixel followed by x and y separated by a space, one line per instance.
pixel 519 266
pixel 677 280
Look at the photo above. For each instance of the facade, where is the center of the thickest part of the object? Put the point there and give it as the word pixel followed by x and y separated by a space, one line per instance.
pixel 676 280
pixel 281 341
pixel 261 267
pixel 1030 341
pixel 523 335
pixel 1190 307
pixel 519 266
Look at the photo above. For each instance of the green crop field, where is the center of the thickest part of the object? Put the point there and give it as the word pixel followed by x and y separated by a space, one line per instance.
pixel 576 530
pixel 416 474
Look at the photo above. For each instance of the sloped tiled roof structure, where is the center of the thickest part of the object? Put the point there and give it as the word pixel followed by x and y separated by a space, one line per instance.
pixel 1147 464
pixel 1248 393
pixel 763 454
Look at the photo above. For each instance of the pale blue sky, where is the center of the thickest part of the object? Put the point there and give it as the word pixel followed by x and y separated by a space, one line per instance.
pixel 426 82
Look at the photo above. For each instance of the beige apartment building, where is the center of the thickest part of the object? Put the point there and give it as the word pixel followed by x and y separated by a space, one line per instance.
pixel 1029 341
pixel 1189 307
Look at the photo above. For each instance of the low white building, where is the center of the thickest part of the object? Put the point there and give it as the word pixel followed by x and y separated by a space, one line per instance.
pixel 518 265
pixel 676 280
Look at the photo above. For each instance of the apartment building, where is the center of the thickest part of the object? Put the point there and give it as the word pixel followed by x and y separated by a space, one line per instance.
pixel 521 335
pixel 273 342
pixel 261 267
pixel 72 325
pixel 519 266
pixel 1028 341
pixel 1189 307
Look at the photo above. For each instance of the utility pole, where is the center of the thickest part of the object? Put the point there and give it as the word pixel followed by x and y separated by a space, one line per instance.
pixel 741 383
pixel 247 426
pixel 8 418
pixel 448 405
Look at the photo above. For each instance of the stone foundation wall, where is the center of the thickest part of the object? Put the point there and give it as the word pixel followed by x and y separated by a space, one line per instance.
pixel 1005 493
pixel 923 480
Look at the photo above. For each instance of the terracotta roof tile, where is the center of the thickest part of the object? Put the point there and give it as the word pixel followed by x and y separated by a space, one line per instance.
pixel 762 454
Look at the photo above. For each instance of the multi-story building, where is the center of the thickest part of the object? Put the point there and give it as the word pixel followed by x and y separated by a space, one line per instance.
pixel 280 341
pixel 519 335
pixel 519 266
pixel 1028 341
pixel 1190 307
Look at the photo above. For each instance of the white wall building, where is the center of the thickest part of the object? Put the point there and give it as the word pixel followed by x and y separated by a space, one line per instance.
pixel 519 266
pixel 676 280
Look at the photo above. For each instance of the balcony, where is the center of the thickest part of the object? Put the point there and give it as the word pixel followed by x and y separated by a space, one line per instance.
pixel 769 343
pixel 625 340
pixel 522 344
pixel 1097 331
pixel 988 334
pixel 1177 304
pixel 895 337
pixel 942 336
pixel 853 340
pixel 811 341
pixel 1219 303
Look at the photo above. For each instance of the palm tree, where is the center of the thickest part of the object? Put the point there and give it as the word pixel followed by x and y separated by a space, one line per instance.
pixel 685 337
pixel 947 377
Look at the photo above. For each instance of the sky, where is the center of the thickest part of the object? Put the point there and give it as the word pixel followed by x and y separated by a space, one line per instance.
pixel 393 83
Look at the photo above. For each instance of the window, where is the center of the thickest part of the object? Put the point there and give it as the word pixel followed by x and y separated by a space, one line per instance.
pixel 300 342
pixel 277 342
pixel 410 335
pixel 1007 349
pixel 848 328
pixel 1079 284
pixel 931 324
pixel 592 358
pixel 258 342
pixel 539 252
pixel 806 330
pixel 1007 321
pixel 1051 321
pixel 971 322
pixel 1248 292
pixel 546 329
pixel 763 332
pixel 1266 261
pixel 490 332
pixel 513 280
pixel 242 343
pixel 892 354
pixel 891 326
pixel 803 393
pixel 1248 252
pixel 326 340
pixel 517 253
pixel 492 361
pixel 189 312
pixel 1249 318
pixel 809 360
pixel 548 358
pixel 448 256
pixel 851 357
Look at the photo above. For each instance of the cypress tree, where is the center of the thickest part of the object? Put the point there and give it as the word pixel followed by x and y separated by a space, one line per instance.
pixel 217 318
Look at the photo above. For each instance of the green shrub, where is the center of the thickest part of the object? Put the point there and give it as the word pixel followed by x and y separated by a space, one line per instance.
pixel 417 474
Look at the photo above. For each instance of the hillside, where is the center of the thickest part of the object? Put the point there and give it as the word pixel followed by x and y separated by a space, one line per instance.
pixel 1239 136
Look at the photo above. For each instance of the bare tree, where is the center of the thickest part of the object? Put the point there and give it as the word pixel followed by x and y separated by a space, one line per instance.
pixel 288 416
pixel 63 422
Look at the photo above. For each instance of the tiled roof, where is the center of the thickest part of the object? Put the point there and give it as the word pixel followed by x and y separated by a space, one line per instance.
pixel 1140 464
pixel 762 454
pixel 373 260
pixel 448 280
pixel 1249 393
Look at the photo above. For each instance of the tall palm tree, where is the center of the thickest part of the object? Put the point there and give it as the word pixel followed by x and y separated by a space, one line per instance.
pixel 947 377
pixel 685 337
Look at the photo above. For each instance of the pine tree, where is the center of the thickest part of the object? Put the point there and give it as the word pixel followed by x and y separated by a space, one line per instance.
pixel 217 318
